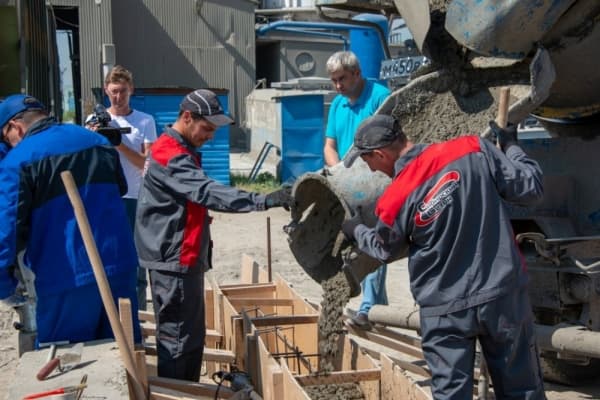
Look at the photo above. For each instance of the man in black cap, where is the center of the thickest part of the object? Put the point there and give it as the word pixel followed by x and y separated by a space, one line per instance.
pixel 445 207
pixel 172 230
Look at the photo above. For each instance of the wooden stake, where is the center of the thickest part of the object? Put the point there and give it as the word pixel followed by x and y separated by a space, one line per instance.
pixel 269 266
pixel 103 286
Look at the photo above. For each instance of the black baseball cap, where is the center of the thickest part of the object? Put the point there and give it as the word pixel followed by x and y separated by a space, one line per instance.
pixel 205 103
pixel 373 133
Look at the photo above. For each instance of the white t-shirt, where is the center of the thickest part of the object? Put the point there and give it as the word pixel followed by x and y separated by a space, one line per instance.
pixel 143 131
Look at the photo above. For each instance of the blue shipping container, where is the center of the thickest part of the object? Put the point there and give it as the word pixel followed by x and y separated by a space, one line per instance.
pixel 163 105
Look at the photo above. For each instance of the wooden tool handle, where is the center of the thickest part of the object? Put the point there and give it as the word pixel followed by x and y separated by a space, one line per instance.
pixel 47 369
pixel 502 119
pixel 105 293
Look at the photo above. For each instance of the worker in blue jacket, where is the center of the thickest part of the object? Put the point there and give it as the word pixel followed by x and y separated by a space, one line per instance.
pixel 36 216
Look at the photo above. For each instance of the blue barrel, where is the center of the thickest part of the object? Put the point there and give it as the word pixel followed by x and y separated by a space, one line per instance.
pixel 367 45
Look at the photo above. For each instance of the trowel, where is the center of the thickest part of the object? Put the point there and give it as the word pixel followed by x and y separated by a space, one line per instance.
pixel 64 362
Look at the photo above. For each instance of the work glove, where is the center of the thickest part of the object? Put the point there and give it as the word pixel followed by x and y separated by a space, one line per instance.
pixel 505 137
pixel 356 266
pixel 280 198
pixel 350 224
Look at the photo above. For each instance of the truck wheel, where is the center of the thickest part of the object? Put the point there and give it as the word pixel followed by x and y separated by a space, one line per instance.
pixel 565 373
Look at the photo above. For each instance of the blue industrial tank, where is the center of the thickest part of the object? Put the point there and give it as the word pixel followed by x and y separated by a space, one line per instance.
pixel 163 105
pixel 367 45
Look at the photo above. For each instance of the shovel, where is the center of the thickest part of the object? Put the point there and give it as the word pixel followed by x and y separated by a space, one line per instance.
pixel 64 362
pixel 542 76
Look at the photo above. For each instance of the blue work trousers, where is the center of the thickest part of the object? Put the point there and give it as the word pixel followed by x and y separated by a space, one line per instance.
pixel 373 289
pixel 78 315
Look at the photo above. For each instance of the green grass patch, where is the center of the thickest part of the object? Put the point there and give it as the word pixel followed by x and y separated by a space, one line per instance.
pixel 265 182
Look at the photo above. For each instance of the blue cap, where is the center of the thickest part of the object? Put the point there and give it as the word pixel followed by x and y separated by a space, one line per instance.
pixel 16 103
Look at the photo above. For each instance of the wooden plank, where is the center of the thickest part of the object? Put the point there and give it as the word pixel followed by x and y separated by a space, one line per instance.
pixel 411 366
pixel 251 272
pixel 140 364
pixel 251 359
pixel 291 388
pixel 218 355
pixel 274 320
pixel 125 318
pixel 238 331
pixel 126 321
pixel 385 341
pixel 387 378
pixel 271 379
pixel 257 302
pixel 146 316
pixel 149 329
pixel 404 388
pixel 395 335
pixel 284 289
pixel 235 287
pixel 362 361
pixel 338 377
pixel 209 305
pixel 189 388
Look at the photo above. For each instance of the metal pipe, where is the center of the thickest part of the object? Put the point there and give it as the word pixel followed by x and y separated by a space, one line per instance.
pixel 317 33
pixel 573 339
pixel 336 26
pixel 377 28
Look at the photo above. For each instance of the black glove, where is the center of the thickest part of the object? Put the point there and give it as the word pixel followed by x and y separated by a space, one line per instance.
pixel 505 137
pixel 280 198
pixel 351 223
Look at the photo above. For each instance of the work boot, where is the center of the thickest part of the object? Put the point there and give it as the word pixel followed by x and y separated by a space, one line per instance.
pixel 361 320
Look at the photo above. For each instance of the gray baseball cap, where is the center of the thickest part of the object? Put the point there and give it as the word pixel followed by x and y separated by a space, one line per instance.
pixel 373 133
pixel 205 103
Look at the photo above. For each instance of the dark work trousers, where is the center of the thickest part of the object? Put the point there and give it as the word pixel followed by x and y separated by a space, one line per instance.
pixel 142 281
pixel 178 300
pixel 504 328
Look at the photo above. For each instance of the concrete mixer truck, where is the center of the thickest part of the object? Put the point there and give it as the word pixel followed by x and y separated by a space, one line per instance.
pixel 548 53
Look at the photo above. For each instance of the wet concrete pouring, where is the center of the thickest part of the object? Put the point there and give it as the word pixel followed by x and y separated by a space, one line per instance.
pixel 336 294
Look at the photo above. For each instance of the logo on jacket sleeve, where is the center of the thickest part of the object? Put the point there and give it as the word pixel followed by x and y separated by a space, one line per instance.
pixel 437 199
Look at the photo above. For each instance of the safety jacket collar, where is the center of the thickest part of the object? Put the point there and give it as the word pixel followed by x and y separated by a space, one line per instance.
pixel 408 157
pixel 40 125
pixel 180 139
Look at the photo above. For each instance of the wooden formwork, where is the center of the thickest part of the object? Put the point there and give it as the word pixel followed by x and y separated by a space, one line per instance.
pixel 274 334
pixel 269 331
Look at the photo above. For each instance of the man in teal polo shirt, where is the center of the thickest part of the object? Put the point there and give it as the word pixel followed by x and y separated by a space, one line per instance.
pixel 357 100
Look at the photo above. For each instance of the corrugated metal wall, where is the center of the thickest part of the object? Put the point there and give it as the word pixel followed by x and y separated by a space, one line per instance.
pixel 189 43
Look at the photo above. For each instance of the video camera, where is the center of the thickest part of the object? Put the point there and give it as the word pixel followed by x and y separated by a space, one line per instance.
pixel 102 118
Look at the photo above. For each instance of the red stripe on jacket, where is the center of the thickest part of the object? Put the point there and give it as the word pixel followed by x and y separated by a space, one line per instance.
pixel 163 150
pixel 427 164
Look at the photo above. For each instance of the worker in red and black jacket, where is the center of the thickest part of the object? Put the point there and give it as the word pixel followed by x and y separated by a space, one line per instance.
pixel 445 208
pixel 172 232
